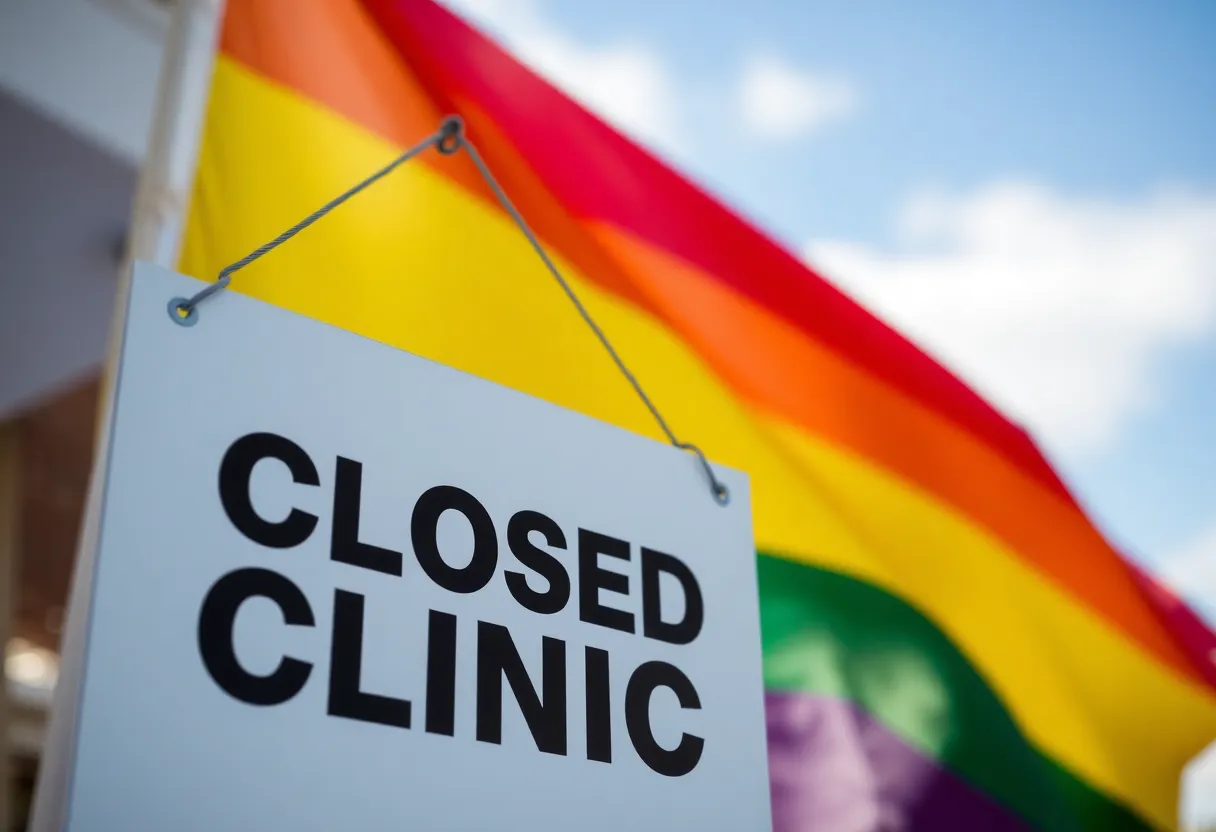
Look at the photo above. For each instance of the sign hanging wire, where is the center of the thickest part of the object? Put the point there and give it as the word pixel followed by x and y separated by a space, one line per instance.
pixel 448 140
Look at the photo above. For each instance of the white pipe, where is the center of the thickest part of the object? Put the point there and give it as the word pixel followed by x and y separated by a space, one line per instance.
pixel 167 174
pixel 158 216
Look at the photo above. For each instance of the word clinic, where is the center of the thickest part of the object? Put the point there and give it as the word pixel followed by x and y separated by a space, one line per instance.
pixel 497 659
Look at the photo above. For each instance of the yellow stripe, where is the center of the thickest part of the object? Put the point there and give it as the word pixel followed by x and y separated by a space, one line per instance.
pixel 418 263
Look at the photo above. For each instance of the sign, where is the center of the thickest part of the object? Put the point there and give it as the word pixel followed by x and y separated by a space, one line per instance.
pixel 338 586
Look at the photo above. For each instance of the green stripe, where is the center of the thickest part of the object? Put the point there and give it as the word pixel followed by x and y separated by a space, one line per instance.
pixel 828 634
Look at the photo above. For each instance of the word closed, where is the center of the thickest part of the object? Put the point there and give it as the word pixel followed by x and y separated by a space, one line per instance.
pixel 543 705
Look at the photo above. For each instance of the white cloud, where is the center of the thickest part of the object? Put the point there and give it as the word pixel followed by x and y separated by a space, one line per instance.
pixel 1059 309
pixel 780 102
pixel 1191 571
pixel 629 84
pixel 1198 798
pixel 625 82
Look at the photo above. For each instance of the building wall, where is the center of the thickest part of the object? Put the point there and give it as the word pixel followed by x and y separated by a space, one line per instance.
pixel 78 81
pixel 92 65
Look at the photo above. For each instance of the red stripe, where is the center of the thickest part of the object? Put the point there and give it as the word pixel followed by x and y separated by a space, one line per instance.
pixel 611 179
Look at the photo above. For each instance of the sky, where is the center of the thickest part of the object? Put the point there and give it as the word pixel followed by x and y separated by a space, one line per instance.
pixel 1025 189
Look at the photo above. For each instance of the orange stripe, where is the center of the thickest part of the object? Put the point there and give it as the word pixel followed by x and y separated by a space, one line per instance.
pixel 332 53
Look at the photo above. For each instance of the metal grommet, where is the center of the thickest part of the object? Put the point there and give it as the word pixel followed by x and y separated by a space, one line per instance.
pixel 451 135
pixel 717 488
pixel 175 309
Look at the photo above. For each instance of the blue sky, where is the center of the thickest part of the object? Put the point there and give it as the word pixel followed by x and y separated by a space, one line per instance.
pixel 1026 189
pixel 1103 98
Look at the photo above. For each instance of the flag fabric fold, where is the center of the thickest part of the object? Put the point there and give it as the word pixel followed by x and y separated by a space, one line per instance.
pixel 949 642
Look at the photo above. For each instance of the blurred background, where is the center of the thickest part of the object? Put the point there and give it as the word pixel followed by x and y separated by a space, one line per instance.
pixel 1027 190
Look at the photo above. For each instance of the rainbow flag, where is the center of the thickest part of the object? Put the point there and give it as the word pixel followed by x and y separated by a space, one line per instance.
pixel 949 643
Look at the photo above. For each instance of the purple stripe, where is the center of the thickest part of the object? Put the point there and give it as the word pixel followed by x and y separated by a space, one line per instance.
pixel 833 768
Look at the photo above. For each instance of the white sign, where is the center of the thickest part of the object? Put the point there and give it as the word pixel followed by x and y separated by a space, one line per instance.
pixel 338 586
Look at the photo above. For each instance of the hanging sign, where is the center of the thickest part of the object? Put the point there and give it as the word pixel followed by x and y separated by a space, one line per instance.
pixel 338 586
